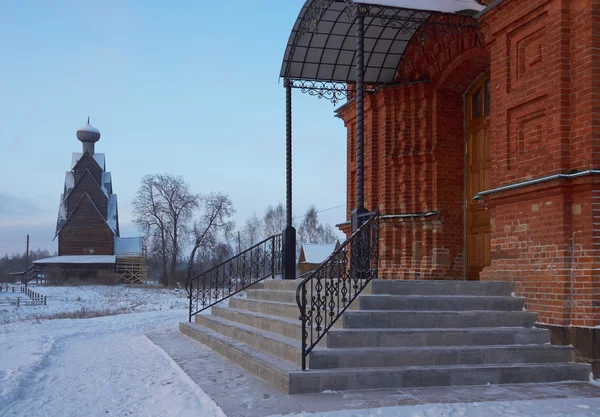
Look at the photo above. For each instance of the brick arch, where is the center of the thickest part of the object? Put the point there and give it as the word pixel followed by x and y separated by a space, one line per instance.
pixel 466 68
pixel 429 59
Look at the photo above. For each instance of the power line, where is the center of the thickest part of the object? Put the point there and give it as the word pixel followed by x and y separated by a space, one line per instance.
pixel 321 211
pixel 12 245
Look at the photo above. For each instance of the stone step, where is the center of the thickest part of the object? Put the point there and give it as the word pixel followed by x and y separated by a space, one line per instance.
pixel 288 297
pixel 435 319
pixel 271 343
pixel 270 369
pixel 272 308
pixel 402 287
pixel 340 338
pixel 291 285
pixel 288 378
pixel 281 284
pixel 273 295
pixel 440 302
pixel 318 380
pixel 439 355
pixel 405 287
pixel 286 327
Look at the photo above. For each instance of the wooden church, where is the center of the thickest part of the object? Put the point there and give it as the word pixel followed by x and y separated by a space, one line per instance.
pixel 87 227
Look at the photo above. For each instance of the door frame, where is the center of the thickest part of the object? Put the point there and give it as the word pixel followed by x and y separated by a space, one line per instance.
pixel 466 108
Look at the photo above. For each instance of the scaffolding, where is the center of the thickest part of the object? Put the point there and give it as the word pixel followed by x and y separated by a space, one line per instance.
pixel 131 268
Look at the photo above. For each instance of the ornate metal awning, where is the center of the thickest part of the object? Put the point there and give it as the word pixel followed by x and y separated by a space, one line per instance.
pixel 340 43
pixel 320 57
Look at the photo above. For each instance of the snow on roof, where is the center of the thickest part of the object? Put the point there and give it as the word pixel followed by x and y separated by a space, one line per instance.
pixel 106 183
pixel 69 182
pixel 112 218
pixel 99 157
pixel 78 259
pixel 446 6
pixel 62 214
pixel 128 245
pixel 317 253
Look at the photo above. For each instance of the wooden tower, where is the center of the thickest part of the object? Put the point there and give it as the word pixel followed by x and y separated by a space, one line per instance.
pixel 88 220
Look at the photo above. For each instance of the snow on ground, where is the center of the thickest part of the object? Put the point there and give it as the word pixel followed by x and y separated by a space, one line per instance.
pixel 92 300
pixel 580 407
pixel 95 367
pixel 106 366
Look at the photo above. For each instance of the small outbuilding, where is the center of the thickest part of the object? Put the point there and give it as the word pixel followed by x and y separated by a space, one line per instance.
pixel 314 254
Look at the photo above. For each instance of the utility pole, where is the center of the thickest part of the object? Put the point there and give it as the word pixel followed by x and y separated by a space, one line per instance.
pixel 27 255
pixel 239 242
pixel 26 262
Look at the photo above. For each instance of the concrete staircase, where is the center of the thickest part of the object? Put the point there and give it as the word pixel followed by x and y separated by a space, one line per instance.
pixel 396 334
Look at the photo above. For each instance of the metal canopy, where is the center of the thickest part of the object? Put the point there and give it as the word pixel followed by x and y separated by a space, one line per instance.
pixel 321 47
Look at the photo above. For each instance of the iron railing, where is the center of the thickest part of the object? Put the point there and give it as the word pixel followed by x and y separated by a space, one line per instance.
pixel 253 265
pixel 324 295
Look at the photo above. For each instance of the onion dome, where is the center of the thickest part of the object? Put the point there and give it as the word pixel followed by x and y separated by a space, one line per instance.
pixel 88 133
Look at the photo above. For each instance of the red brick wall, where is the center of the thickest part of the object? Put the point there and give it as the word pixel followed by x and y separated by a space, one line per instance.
pixel 414 157
pixel 544 74
pixel 543 58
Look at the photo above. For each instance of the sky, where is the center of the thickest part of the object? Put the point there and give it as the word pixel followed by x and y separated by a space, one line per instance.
pixel 188 88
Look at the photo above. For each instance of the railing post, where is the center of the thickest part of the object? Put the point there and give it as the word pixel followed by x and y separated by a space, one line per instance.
pixel 190 295
pixel 289 234
pixel 273 242
pixel 304 334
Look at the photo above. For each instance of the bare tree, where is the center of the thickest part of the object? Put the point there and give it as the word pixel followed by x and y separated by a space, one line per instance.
pixel 213 224
pixel 312 231
pixel 163 210
pixel 150 217
pixel 252 232
pixel 274 220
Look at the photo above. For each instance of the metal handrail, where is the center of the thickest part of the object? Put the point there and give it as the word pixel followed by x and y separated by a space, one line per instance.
pixel 235 274
pixel 336 283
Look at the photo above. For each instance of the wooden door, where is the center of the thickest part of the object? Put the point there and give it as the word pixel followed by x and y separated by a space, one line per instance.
pixel 478 176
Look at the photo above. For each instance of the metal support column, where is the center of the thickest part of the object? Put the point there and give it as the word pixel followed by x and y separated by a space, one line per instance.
pixel 289 234
pixel 358 217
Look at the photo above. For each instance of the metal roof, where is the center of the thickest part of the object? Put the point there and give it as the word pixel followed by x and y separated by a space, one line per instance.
pixel 322 44
pixel 315 253
pixel 78 259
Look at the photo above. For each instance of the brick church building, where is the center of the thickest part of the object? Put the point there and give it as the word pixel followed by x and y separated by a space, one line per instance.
pixel 483 159
pixel 472 175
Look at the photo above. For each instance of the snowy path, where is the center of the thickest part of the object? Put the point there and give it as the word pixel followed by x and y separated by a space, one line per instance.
pixel 104 366
pixel 108 367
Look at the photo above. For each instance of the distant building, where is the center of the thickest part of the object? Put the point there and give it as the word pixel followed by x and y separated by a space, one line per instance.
pixel 88 220
pixel 313 254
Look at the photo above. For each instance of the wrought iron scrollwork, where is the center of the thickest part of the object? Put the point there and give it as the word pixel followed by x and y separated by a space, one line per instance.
pixel 323 296
pixel 328 90
pixel 253 265
pixel 427 24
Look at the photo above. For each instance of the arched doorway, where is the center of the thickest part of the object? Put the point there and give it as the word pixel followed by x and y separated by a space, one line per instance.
pixel 478 168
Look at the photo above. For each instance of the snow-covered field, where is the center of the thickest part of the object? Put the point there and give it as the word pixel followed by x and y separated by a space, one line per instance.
pixel 106 366
pixel 93 300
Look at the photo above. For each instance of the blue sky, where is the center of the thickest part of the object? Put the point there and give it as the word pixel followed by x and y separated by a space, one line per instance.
pixel 189 88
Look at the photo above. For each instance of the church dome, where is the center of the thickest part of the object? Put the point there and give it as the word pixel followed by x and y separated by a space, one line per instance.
pixel 88 133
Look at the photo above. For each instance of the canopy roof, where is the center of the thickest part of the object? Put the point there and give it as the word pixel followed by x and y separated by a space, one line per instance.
pixel 322 48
